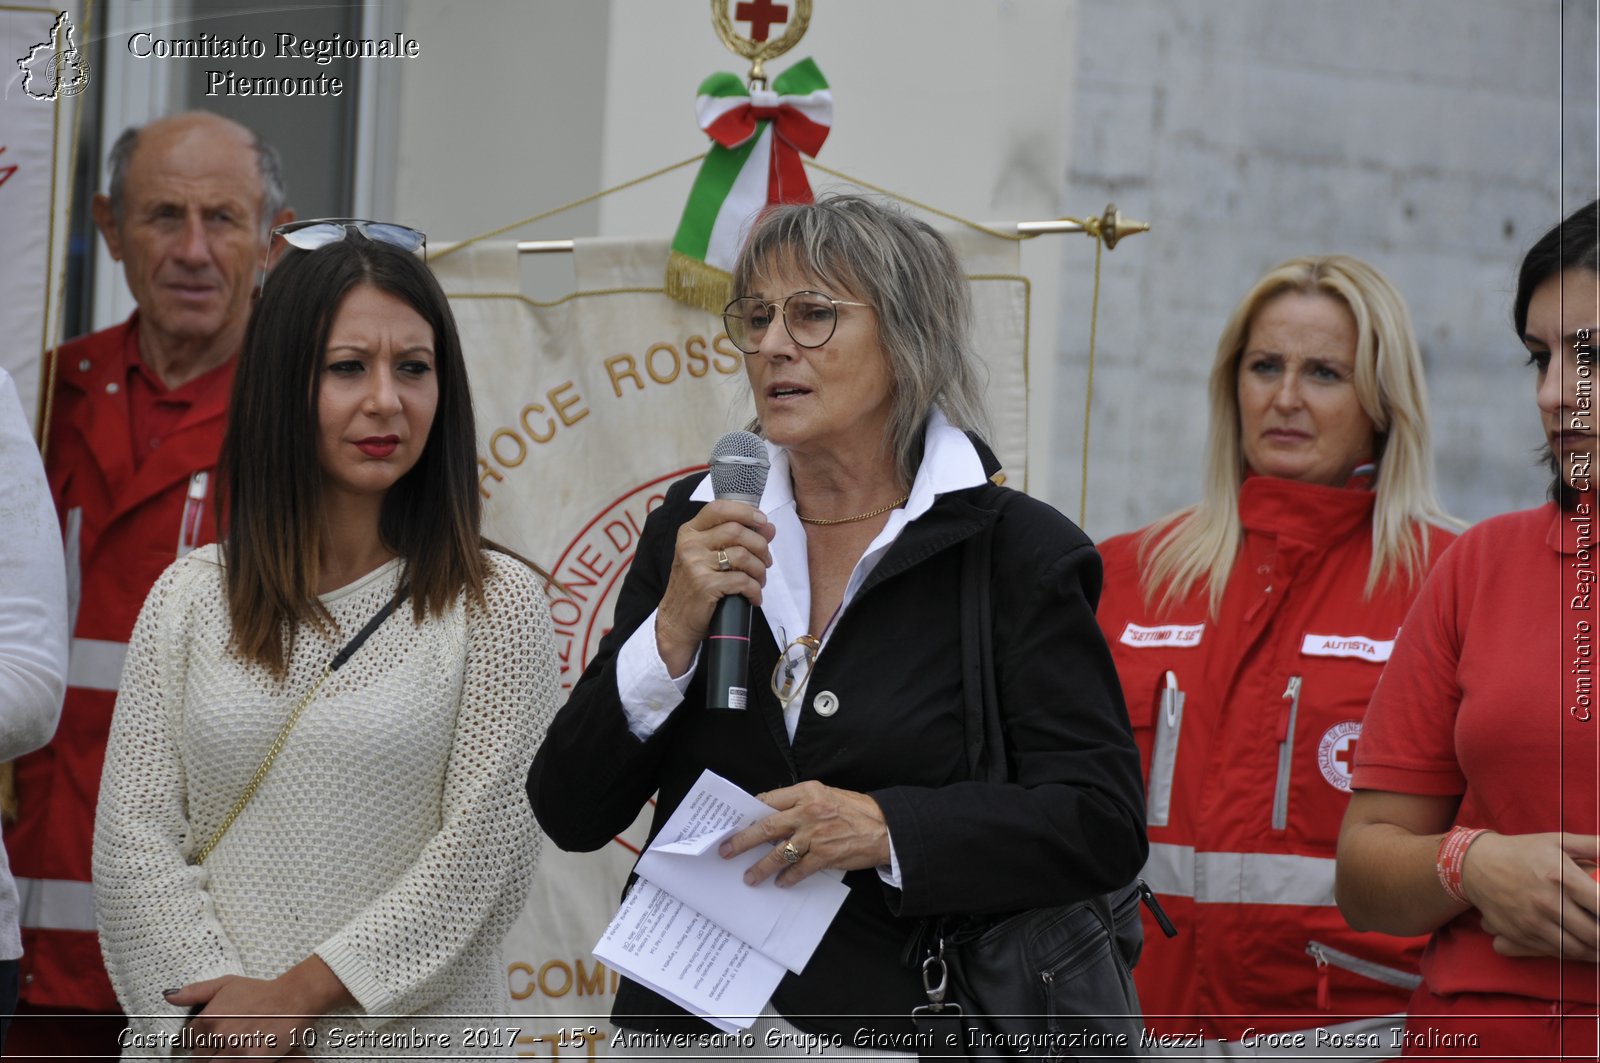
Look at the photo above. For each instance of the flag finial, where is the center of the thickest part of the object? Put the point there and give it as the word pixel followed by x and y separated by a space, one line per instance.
pixel 760 45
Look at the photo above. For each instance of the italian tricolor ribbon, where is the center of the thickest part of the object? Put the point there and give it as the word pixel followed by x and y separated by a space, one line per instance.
pixel 754 160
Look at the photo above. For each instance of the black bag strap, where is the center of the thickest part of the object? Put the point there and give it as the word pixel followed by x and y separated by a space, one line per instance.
pixel 940 1022
pixel 986 754
pixel 986 744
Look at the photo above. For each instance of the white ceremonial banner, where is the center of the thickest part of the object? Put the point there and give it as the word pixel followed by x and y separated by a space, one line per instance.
pixel 42 70
pixel 588 409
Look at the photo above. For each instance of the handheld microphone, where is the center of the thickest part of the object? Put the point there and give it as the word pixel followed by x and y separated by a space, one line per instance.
pixel 739 472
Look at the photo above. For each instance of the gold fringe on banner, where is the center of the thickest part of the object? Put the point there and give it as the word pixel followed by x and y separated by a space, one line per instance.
pixel 697 283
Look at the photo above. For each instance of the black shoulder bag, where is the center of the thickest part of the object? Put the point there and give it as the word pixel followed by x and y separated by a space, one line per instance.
pixel 1046 983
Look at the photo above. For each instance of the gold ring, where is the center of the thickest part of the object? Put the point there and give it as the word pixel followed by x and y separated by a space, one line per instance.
pixel 723 564
pixel 790 854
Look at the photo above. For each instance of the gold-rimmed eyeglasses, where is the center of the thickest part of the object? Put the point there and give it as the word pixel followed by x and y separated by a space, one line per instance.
pixel 794 667
pixel 809 317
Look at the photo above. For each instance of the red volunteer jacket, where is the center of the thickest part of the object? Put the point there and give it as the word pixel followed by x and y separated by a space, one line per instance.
pixel 1247 726
pixel 123 527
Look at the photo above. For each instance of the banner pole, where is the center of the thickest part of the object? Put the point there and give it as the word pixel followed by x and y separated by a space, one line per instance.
pixel 1024 228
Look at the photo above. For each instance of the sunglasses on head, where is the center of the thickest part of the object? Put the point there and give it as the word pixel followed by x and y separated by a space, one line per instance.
pixel 320 232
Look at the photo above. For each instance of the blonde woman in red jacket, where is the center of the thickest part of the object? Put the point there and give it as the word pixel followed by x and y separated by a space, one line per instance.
pixel 1248 631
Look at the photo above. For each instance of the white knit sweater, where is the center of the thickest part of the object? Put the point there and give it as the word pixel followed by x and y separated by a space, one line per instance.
pixel 392 837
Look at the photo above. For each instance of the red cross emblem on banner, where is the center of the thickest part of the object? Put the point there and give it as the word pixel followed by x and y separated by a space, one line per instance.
pixel 762 15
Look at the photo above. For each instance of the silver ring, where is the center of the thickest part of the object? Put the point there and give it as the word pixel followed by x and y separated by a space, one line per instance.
pixel 723 564
pixel 790 854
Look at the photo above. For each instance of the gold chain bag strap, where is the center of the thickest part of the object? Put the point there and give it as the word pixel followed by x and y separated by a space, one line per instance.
pixel 334 665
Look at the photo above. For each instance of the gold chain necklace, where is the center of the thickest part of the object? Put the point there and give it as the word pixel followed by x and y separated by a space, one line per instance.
pixel 880 511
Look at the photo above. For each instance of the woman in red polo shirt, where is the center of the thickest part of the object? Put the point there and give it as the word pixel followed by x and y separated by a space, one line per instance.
pixel 1248 631
pixel 1475 815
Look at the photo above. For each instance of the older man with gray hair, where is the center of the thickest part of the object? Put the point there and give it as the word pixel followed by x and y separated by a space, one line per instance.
pixel 138 417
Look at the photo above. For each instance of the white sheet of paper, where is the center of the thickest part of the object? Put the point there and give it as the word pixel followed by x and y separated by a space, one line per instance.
pixel 663 943
pixel 783 923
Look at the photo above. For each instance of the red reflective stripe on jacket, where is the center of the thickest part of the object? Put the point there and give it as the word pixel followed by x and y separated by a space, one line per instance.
pixel 1262 765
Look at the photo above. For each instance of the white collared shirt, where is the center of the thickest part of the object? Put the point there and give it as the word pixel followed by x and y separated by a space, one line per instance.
pixel 649 695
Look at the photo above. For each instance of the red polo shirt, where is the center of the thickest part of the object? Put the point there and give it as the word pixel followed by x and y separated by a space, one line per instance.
pixel 154 410
pixel 1491 695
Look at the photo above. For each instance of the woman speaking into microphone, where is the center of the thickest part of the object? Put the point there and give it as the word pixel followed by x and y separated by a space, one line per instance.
pixel 854 321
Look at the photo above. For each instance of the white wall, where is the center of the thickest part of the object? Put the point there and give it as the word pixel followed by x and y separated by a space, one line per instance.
pixel 1426 136
pixel 499 118
pixel 964 106
pixel 520 105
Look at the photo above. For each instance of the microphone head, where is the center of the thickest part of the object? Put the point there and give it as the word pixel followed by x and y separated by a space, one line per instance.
pixel 739 467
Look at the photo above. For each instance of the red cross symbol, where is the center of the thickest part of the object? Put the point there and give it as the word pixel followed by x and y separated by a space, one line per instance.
pixel 1346 755
pixel 760 14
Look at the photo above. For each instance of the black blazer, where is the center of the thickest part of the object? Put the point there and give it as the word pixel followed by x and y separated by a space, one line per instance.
pixel 1070 826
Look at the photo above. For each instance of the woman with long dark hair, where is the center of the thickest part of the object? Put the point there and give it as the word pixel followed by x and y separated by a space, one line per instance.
pixel 1475 812
pixel 312 806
